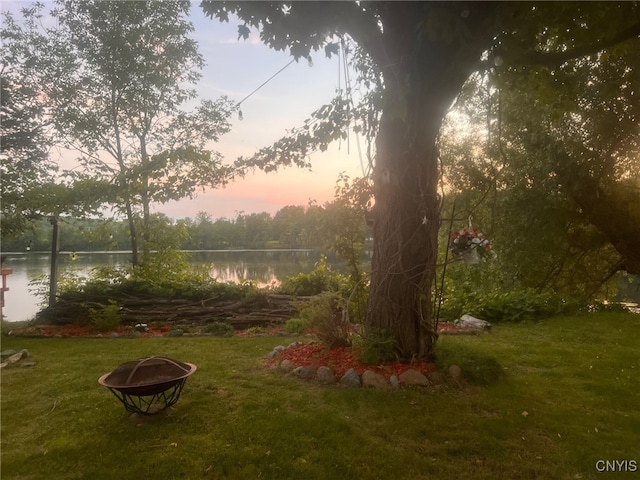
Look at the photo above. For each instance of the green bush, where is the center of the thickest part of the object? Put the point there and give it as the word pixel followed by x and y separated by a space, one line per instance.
pixel 517 305
pixel 104 318
pixel 357 300
pixel 375 347
pixel 165 274
pixel 502 305
pixel 296 326
pixel 219 329
pixel 321 279
pixel 486 292
pixel 326 316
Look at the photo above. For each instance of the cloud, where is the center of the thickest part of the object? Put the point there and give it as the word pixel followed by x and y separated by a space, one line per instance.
pixel 252 40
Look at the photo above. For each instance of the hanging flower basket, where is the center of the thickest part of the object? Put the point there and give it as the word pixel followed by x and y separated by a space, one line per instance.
pixel 470 245
pixel 470 257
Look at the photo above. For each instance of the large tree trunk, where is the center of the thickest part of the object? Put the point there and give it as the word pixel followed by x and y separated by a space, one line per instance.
pixel 405 238
pixel 424 70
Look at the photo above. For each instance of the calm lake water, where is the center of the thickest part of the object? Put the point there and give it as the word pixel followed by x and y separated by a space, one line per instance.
pixel 265 267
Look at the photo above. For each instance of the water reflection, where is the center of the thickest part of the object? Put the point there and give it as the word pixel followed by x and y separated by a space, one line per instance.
pixel 263 267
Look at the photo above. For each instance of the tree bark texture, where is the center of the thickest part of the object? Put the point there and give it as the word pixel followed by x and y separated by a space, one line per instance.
pixel 424 73
pixel 405 240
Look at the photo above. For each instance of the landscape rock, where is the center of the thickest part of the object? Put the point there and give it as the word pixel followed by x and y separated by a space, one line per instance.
pixel 7 353
pixel 276 351
pixel 306 373
pixel 394 381
pixel 325 376
pixel 16 357
pixel 286 366
pixel 472 322
pixel 374 380
pixel 350 379
pixel 414 377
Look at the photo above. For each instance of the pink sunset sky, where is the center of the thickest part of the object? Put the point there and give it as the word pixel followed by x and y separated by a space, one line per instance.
pixel 235 68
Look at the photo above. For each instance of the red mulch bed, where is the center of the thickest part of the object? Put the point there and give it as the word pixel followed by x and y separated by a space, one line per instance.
pixel 342 359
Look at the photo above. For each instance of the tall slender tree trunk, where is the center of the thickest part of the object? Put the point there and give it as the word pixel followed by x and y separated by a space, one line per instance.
pixel 122 178
pixel 55 250
pixel 133 235
pixel 146 207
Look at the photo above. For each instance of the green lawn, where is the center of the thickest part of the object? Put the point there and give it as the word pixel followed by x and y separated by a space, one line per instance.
pixel 549 400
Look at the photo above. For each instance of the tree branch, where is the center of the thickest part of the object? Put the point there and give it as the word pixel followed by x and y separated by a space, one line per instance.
pixel 555 59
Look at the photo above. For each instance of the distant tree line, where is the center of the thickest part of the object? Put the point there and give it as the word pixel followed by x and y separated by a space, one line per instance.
pixel 290 227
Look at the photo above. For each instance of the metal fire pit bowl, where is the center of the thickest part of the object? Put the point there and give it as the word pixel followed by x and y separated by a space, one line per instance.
pixel 148 385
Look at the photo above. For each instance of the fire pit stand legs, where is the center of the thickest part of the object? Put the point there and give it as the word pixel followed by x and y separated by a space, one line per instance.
pixel 148 404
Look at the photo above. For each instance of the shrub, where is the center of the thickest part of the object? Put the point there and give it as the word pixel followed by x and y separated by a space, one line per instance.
pixel 358 302
pixel 321 279
pixel 375 347
pixel 104 317
pixel 295 326
pixel 219 329
pixel 165 274
pixel 326 316
pixel 498 305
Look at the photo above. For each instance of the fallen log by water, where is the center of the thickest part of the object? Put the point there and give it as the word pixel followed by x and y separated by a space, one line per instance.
pixel 259 311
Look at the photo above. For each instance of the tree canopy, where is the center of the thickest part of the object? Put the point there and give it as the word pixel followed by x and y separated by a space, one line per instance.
pixel 30 186
pixel 114 77
pixel 421 54
pixel 23 150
